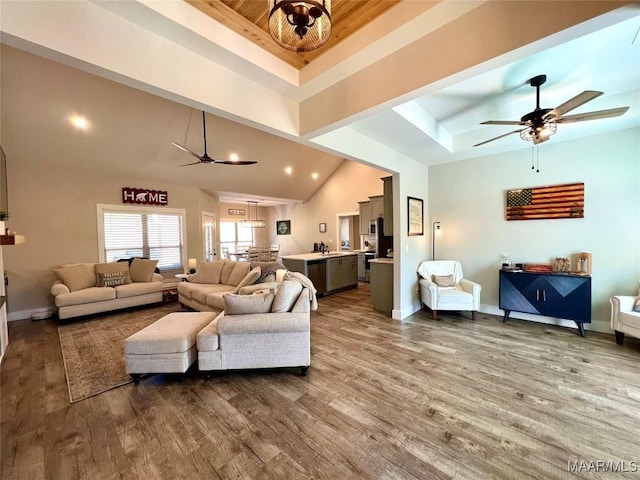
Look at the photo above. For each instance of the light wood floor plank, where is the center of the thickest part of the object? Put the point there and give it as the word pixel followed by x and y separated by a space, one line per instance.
pixel 418 399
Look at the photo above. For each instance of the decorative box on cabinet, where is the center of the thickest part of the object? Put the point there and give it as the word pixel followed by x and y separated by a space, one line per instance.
pixel 553 295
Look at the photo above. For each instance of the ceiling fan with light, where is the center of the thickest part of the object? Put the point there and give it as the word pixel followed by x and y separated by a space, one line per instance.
pixel 540 124
pixel 205 158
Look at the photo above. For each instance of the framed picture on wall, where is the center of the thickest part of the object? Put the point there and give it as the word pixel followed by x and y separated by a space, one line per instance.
pixel 323 228
pixel 415 211
pixel 283 227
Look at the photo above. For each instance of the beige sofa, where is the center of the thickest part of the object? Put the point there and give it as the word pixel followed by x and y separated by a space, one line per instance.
pixel 204 290
pixel 262 330
pixel 88 288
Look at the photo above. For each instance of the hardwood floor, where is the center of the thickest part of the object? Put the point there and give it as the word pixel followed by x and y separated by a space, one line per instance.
pixel 419 399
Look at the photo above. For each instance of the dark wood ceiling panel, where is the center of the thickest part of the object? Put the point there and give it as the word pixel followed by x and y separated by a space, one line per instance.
pixel 249 18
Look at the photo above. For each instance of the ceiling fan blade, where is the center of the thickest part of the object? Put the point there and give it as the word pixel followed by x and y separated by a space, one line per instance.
pixel 237 162
pixel 573 103
pixel 581 117
pixel 499 137
pixel 187 164
pixel 503 122
pixel 185 149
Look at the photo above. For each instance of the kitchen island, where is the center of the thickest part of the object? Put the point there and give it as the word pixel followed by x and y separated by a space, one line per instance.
pixel 330 272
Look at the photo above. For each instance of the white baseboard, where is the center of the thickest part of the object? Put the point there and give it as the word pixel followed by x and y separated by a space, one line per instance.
pixel 26 314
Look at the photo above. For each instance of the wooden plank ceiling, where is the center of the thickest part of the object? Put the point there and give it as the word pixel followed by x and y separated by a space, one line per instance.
pixel 249 18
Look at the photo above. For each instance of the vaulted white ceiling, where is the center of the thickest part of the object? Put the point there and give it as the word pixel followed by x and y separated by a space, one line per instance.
pixel 416 81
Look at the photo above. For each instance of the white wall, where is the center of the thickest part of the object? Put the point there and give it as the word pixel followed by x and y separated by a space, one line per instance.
pixel 468 197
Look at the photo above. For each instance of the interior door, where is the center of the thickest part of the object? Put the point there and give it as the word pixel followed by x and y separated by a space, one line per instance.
pixel 209 236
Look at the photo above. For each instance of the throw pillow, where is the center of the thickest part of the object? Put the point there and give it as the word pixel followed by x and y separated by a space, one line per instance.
pixel 208 272
pixel 249 279
pixel 142 270
pixel 636 306
pixel 240 270
pixel 247 304
pixel 280 273
pixel 286 295
pixel 112 274
pixel 227 269
pixel 77 277
pixel 443 280
pixel 268 269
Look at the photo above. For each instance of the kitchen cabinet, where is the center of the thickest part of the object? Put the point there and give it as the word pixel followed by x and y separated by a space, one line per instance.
pixel 377 206
pixel 362 265
pixel 342 272
pixel 365 217
pixel 382 284
pixel 329 273
pixel 554 295
pixel 388 205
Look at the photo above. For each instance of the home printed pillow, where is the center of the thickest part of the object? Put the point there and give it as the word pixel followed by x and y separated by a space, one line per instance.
pixel 112 274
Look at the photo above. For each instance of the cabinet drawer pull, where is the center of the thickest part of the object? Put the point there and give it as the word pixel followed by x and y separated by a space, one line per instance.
pixel 544 295
pixel 537 295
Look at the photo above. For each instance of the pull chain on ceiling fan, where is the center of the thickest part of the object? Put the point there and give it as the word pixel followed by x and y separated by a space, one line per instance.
pixel 205 158
pixel 541 123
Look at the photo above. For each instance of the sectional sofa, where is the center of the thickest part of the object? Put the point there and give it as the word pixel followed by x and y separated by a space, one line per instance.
pixel 204 290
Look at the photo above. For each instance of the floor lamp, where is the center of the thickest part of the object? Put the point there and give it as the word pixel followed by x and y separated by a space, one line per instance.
pixel 435 228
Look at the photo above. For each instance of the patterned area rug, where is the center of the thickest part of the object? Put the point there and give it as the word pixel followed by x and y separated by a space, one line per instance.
pixel 93 349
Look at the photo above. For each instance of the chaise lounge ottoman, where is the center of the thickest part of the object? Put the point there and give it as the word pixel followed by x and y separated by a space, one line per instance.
pixel 166 346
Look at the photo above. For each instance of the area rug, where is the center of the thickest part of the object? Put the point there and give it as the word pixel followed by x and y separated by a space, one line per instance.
pixel 93 349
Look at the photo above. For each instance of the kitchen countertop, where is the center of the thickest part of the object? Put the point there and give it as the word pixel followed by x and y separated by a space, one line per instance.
pixel 317 255
pixel 382 260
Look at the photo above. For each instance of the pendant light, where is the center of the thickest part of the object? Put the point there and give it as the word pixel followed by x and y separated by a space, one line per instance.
pixel 248 223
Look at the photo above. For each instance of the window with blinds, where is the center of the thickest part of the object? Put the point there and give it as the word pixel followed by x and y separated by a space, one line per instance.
pixel 157 234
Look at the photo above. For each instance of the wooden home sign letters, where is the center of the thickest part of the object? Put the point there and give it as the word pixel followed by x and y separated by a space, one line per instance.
pixel 142 196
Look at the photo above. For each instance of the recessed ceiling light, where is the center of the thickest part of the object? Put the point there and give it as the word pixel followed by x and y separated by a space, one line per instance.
pixel 314 175
pixel 288 170
pixel 79 122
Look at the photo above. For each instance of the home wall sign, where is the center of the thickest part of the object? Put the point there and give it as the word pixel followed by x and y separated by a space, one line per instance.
pixel 237 211
pixel 553 201
pixel 142 196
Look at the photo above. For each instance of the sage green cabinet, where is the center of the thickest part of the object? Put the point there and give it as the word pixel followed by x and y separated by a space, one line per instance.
pixel 377 207
pixel 365 217
pixel 382 285
pixel 342 272
pixel 388 205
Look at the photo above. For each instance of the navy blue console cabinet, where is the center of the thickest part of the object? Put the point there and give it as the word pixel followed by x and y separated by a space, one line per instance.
pixel 558 295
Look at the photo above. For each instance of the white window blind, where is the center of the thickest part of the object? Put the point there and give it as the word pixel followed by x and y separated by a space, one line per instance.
pixel 146 233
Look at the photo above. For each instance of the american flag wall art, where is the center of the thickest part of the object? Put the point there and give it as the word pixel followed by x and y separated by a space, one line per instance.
pixel 553 201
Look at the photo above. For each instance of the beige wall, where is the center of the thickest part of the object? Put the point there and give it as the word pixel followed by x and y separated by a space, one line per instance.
pixel 468 198
pixel 56 211
pixel 350 183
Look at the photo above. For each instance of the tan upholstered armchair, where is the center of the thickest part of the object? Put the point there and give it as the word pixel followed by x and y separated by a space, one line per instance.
pixel 623 318
pixel 442 287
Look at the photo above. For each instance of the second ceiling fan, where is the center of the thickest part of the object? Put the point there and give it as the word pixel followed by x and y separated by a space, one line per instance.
pixel 540 124
pixel 205 158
